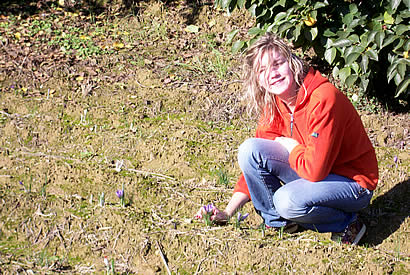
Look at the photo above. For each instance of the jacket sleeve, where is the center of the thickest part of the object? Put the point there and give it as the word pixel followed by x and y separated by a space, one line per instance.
pixel 326 122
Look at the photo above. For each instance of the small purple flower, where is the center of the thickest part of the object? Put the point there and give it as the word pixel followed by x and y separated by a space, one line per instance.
pixel 21 183
pixel 12 87
pixel 242 217
pixel 396 159
pixel 209 208
pixel 120 193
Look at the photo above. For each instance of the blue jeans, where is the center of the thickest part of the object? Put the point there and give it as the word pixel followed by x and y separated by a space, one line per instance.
pixel 279 195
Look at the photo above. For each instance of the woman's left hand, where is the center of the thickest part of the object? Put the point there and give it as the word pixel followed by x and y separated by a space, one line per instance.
pixel 288 143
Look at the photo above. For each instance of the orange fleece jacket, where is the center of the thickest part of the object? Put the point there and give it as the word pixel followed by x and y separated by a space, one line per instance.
pixel 330 132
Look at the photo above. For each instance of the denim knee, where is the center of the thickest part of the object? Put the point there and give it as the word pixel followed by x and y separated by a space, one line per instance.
pixel 246 152
pixel 284 204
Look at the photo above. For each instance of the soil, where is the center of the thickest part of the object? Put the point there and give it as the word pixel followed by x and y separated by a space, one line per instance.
pixel 157 111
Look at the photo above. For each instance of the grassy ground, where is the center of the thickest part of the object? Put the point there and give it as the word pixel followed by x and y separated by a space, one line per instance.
pixel 91 103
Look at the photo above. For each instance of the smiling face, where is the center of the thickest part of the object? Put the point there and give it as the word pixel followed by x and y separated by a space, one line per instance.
pixel 275 75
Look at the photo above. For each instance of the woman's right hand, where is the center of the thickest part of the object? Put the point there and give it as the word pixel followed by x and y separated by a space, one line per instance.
pixel 217 216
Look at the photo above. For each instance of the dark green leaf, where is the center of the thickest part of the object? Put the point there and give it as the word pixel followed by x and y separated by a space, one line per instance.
pixel 350 80
pixel 405 61
pixel 285 26
pixel 340 43
pixel 348 51
pixel 371 36
pixel 296 31
pixel 254 31
pixel 241 3
pixel 354 23
pixel 225 3
pixel 353 8
pixel 395 4
pixel 401 69
pixel 319 5
pixel 405 13
pixel 391 73
pixel 390 39
pixel 252 9
pixel 280 16
pixel 407 45
pixel 397 79
pixel 237 46
pixel 328 33
pixel 352 58
pixel 313 33
pixel 365 63
pixel 231 36
pixel 372 54
pixel 280 3
pixel 402 87
pixel 355 67
pixel 400 29
pixel 398 46
pixel 344 73
pixel 364 83
pixel 347 19
pixel 354 38
pixel 330 55
pixel 379 39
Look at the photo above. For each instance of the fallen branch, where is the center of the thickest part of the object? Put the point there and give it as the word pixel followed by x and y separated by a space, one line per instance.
pixel 164 260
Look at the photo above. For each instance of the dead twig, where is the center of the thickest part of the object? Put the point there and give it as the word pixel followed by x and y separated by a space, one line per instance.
pixel 151 173
pixel 164 260
pixel 199 266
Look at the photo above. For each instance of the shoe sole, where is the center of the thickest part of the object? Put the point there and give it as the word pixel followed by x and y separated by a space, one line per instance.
pixel 291 229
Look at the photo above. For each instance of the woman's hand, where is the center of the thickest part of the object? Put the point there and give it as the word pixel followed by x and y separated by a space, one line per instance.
pixel 238 199
pixel 288 143
pixel 217 216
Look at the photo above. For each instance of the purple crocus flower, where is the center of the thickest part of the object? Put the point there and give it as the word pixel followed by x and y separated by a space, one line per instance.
pixel 21 183
pixel 396 159
pixel 209 208
pixel 242 217
pixel 120 193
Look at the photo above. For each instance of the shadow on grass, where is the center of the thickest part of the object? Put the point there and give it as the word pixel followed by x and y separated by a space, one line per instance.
pixel 386 213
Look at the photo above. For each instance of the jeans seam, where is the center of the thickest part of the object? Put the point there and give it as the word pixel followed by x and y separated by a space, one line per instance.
pixel 269 195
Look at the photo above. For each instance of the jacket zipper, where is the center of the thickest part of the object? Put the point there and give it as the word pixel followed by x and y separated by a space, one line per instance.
pixel 291 124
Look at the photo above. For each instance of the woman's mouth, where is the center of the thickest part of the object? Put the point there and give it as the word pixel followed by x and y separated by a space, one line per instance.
pixel 276 81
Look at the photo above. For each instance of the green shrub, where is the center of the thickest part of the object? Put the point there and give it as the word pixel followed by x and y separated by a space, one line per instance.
pixel 364 41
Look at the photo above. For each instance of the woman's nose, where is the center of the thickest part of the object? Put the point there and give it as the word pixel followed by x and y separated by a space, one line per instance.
pixel 273 73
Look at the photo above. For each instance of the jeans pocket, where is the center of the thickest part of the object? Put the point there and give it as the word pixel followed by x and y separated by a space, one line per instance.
pixel 359 191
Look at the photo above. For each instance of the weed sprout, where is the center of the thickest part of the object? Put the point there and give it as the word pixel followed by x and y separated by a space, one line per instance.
pixel 209 210
pixel 102 199
pixel 110 266
pixel 223 178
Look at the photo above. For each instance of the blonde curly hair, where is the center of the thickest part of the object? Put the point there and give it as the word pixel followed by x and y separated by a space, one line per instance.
pixel 259 101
